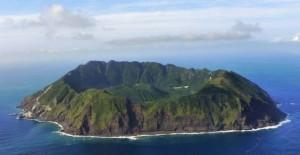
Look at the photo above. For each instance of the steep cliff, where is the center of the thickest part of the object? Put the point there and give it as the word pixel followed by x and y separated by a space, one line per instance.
pixel 127 98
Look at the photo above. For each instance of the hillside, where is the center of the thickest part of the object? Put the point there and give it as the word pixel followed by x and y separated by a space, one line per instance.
pixel 128 98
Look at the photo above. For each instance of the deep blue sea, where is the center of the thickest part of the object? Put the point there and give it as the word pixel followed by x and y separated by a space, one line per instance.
pixel 279 75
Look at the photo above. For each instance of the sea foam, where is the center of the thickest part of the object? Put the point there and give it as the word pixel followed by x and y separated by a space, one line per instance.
pixel 136 137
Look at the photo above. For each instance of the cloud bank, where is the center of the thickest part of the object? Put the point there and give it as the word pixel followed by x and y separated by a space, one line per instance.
pixel 57 21
pixel 61 28
pixel 57 16
pixel 296 38
pixel 238 31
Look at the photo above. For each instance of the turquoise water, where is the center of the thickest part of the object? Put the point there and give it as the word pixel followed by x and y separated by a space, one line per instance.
pixel 280 76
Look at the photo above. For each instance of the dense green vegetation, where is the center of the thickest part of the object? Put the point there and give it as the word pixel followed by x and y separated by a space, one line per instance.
pixel 117 98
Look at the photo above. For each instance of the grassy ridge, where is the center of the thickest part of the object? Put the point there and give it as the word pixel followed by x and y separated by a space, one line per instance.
pixel 130 97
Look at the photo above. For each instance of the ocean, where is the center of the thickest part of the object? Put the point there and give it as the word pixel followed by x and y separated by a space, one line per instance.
pixel 279 75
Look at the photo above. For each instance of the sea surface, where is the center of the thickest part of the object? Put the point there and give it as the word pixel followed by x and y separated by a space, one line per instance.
pixel 280 76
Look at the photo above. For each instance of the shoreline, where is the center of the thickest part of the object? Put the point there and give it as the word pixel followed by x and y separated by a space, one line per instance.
pixel 136 137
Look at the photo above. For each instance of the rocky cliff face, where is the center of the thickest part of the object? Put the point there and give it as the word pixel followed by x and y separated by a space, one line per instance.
pixel 127 98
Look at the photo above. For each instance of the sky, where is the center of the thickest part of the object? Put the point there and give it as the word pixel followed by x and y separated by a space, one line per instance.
pixel 49 30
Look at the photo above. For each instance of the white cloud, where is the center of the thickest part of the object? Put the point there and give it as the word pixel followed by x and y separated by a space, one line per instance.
pixel 55 16
pixel 58 16
pixel 159 5
pixel 27 21
pixel 278 40
pixel 55 20
pixel 65 27
pixel 153 3
pixel 246 27
pixel 238 31
pixel 82 36
pixel 291 39
pixel 296 38
pixel 207 22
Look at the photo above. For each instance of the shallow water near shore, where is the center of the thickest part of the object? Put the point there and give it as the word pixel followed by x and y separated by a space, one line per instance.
pixel 280 79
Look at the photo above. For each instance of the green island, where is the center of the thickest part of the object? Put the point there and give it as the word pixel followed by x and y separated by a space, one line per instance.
pixel 130 98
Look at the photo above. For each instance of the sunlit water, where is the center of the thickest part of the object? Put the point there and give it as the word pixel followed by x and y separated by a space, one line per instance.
pixel 280 78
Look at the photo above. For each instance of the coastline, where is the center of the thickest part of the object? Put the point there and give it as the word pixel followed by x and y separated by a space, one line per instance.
pixel 136 137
